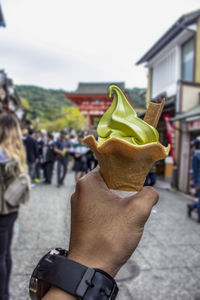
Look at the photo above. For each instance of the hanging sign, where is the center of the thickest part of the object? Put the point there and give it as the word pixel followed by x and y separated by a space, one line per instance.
pixel 171 135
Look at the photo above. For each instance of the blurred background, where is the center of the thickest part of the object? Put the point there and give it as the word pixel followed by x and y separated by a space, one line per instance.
pixel 57 61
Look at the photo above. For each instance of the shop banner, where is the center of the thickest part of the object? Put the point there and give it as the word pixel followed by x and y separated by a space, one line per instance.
pixel 171 135
pixel 194 125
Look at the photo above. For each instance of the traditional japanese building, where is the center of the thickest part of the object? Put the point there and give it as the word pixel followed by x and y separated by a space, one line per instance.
pixel 173 64
pixel 92 99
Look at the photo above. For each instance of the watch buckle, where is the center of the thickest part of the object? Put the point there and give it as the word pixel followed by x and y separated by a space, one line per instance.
pixel 85 282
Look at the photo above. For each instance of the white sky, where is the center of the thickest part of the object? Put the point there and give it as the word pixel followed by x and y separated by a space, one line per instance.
pixel 58 43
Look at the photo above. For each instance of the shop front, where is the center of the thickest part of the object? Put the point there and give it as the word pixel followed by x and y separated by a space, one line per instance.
pixel 193 128
pixel 189 130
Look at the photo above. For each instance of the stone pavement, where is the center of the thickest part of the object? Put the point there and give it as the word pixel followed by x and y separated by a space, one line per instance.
pixel 165 266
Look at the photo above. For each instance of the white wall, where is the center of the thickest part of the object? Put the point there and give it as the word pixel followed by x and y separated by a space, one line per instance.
pixel 166 66
pixel 166 72
pixel 190 97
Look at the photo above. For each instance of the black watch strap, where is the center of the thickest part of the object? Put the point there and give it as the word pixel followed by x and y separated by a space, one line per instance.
pixel 76 279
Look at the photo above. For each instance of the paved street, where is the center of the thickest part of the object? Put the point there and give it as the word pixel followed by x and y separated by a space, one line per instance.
pixel 166 265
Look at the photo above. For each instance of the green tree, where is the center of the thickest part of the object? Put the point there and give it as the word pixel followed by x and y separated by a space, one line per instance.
pixel 25 104
pixel 137 96
pixel 70 118
pixel 47 103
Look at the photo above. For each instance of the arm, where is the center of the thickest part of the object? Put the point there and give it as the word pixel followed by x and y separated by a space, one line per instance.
pixel 105 229
pixel 58 294
pixel 55 149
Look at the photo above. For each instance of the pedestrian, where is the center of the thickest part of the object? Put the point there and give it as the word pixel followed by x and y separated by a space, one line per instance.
pixel 72 139
pixel 40 146
pixel 49 159
pixel 196 178
pixel 91 161
pixel 80 158
pixel 62 148
pixel 31 153
pixel 12 165
pixel 151 177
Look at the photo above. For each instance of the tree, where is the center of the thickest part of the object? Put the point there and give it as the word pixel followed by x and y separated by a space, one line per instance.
pixel 25 104
pixel 70 118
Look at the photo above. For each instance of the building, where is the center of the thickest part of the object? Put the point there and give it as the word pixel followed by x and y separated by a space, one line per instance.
pixel 92 99
pixel 9 98
pixel 173 64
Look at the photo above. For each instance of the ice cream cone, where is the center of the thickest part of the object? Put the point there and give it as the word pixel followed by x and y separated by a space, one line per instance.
pixel 124 166
pixel 127 146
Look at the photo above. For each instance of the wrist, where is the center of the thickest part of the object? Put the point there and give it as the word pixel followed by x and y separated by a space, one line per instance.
pixel 56 293
pixel 93 262
pixel 76 278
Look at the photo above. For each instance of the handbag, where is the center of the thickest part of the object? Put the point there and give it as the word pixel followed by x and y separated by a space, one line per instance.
pixel 18 191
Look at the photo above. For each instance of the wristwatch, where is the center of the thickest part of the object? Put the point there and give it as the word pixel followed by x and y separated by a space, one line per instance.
pixel 55 269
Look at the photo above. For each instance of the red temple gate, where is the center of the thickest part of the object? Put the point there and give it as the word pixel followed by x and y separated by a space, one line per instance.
pixel 92 99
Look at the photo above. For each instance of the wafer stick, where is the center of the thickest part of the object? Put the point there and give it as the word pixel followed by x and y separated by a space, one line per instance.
pixel 153 113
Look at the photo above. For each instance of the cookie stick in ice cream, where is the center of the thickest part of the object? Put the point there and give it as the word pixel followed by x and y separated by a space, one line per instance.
pixel 127 146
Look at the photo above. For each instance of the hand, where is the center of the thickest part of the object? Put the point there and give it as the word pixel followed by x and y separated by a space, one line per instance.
pixel 106 229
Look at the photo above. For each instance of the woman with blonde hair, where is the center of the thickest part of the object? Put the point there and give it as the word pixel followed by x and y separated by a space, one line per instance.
pixel 12 164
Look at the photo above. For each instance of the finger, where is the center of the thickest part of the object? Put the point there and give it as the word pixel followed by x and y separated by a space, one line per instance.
pixel 146 198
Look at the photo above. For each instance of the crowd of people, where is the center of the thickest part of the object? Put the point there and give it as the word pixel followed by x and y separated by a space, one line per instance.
pixel 44 150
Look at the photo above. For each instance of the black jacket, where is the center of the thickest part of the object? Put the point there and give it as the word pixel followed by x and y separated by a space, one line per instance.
pixel 31 149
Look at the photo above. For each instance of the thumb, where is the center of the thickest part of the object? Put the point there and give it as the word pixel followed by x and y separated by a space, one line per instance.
pixel 145 199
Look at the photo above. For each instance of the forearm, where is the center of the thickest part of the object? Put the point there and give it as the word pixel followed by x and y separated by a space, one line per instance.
pixel 58 294
pixel 58 151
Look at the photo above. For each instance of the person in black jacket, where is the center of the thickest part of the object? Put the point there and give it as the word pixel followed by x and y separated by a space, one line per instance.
pixel 50 159
pixel 196 179
pixel 62 148
pixel 31 153
pixel 40 145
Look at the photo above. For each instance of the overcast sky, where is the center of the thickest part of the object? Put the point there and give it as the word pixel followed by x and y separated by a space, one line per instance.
pixel 58 43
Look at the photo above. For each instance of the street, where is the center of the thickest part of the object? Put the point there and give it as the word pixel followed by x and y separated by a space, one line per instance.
pixel 165 266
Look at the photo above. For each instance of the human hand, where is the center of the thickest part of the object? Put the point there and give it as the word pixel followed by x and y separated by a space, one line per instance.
pixel 106 229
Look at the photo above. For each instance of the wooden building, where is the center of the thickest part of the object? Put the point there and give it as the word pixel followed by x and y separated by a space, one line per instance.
pixel 173 64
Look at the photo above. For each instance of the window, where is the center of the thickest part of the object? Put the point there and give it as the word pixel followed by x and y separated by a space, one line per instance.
pixel 188 61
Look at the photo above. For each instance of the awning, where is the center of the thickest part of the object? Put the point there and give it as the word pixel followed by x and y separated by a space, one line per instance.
pixel 190 114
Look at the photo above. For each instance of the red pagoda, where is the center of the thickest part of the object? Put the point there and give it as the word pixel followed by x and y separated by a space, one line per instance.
pixel 92 99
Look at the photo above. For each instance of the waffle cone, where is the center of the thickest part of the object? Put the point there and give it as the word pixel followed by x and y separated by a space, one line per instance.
pixel 124 166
